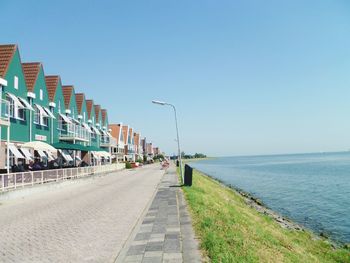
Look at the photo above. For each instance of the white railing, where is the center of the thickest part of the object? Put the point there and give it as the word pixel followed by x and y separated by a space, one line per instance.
pixel 74 132
pixel 4 111
pixel 13 181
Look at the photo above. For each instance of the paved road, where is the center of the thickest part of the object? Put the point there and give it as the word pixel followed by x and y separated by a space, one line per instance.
pixel 87 221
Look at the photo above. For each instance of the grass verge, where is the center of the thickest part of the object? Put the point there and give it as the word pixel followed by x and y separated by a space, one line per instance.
pixel 231 231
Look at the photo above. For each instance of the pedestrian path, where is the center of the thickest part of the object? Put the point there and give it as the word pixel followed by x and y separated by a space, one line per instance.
pixel 165 234
pixel 88 220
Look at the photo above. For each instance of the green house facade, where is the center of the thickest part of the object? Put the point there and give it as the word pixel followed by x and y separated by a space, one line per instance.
pixel 38 109
pixel 58 108
pixel 92 123
pixel 41 119
pixel 16 94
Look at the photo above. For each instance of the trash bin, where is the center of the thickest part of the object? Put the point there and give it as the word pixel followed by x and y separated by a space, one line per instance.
pixel 188 175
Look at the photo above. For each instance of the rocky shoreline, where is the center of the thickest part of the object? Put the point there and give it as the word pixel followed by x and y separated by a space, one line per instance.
pixel 259 206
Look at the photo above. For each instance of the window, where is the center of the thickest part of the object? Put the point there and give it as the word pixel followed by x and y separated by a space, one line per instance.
pixel 36 115
pixel 15 111
pixel 44 120
pixel 12 158
pixel 21 114
pixel 59 106
pixel 84 117
pixel 15 82
pixel 60 123
pixel 12 106
pixel 40 116
pixel 41 94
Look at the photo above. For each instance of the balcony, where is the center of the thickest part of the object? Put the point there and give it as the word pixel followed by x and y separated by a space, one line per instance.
pixel 4 113
pixel 107 141
pixel 73 132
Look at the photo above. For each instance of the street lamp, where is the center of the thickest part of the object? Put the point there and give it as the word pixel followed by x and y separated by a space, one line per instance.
pixel 177 132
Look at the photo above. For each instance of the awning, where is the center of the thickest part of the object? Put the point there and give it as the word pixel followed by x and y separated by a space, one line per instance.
pixel 27 154
pixel 49 112
pixel 50 155
pixel 38 145
pixel 104 132
pixel 42 111
pixel 78 158
pixel 87 127
pixel 15 151
pixel 96 130
pixel 70 146
pixel 74 120
pixel 105 154
pixel 16 100
pixel 65 118
pixel 42 154
pixel 26 104
pixel 66 155
pixel 95 155
pixel 110 135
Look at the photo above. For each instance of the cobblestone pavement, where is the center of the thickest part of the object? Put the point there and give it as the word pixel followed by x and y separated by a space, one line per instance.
pixel 165 234
pixel 88 221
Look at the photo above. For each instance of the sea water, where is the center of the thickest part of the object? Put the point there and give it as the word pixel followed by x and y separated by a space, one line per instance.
pixel 311 189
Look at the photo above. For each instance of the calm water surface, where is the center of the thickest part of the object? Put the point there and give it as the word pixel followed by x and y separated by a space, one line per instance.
pixel 311 189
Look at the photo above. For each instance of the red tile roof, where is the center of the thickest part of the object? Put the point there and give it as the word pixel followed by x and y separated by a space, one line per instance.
pixel 79 97
pixel 89 105
pixel 130 133
pixel 6 55
pixel 31 72
pixel 104 115
pixel 136 138
pixel 51 85
pixel 125 134
pixel 115 130
pixel 97 111
pixel 67 94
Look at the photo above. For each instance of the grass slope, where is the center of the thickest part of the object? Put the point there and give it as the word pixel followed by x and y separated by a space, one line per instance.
pixel 231 231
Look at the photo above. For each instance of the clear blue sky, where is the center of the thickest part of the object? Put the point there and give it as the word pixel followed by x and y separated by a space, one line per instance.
pixel 247 77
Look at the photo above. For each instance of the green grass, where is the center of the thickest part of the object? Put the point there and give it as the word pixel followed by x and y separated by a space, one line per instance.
pixel 230 231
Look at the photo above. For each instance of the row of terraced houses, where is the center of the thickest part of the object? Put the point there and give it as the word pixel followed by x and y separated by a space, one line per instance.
pixel 43 120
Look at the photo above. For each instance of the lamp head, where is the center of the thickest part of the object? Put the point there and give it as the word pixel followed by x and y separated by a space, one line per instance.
pixel 158 102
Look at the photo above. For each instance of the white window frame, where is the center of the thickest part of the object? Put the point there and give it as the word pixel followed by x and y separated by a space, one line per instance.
pixel 39 118
pixel 15 82
pixel 36 118
pixel 41 94
pixel 14 109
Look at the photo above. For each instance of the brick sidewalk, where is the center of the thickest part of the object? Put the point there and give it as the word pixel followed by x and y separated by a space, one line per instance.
pixel 166 233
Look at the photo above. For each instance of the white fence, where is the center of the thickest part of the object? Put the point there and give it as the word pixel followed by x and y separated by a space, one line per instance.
pixel 20 180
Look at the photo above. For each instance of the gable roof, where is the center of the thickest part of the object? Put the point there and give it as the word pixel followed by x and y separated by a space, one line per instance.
pixel 97 112
pixel 130 134
pixel 89 105
pixel 51 85
pixel 31 72
pixel 125 134
pixel 67 94
pixel 6 55
pixel 115 130
pixel 136 138
pixel 104 115
pixel 79 97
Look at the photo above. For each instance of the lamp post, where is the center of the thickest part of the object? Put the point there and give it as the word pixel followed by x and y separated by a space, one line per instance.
pixel 177 132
